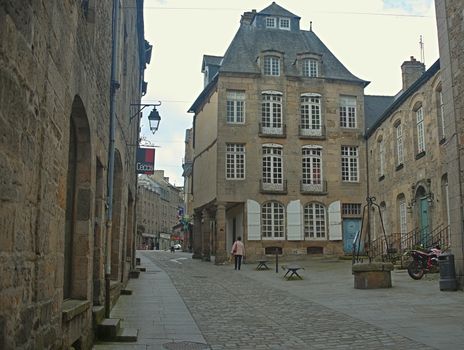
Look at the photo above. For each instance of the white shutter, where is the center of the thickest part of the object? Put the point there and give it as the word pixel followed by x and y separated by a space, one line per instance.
pixel 335 221
pixel 253 220
pixel 294 232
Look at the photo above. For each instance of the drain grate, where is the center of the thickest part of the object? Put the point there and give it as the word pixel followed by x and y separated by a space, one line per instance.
pixel 185 345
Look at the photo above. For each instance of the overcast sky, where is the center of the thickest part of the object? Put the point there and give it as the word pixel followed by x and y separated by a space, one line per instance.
pixel 372 38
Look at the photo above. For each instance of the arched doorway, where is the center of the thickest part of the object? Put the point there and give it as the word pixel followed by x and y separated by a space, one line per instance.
pixel 423 214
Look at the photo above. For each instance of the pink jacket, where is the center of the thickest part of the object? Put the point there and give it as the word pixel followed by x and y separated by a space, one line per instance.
pixel 239 248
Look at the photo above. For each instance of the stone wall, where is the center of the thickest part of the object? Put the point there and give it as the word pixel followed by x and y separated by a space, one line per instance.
pixel 55 61
pixel 450 24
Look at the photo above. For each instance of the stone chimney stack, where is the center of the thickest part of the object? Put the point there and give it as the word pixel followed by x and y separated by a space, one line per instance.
pixel 411 71
pixel 248 17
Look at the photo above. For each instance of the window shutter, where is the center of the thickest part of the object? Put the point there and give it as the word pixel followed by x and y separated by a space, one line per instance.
pixel 294 221
pixel 253 220
pixel 335 221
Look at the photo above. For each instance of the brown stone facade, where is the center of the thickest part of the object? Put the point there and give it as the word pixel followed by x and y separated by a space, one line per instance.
pixel 451 44
pixel 407 175
pixel 231 193
pixel 55 64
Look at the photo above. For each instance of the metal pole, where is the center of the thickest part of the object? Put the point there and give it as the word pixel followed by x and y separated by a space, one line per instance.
pixel 111 149
pixel 277 260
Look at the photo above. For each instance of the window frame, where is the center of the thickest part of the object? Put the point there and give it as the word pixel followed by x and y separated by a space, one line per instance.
pixel 312 167
pixel 272 165
pixel 399 144
pixel 271 112
pixel 310 68
pixel 420 129
pixel 269 20
pixel 310 114
pixel 235 106
pixel 271 65
pixel 350 164
pixel 235 161
pixel 348 112
pixel 284 19
pixel 273 221
pixel 314 224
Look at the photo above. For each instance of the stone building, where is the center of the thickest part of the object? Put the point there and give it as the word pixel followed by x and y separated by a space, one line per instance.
pixel 277 144
pixel 158 206
pixel 450 25
pixel 57 238
pixel 406 162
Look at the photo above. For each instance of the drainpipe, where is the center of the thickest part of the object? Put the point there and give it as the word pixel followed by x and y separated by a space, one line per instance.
pixel 111 149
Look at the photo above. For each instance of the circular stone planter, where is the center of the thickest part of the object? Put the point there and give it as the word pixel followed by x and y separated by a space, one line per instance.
pixel 372 275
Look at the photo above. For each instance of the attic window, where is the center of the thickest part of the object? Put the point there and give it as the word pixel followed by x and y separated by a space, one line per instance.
pixel 270 22
pixel 284 23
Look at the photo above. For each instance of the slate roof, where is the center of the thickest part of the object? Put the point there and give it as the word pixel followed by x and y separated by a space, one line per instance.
pixel 374 106
pixel 211 60
pixel 251 40
pixel 399 100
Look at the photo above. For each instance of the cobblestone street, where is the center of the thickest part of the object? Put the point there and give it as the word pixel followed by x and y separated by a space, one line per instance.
pixel 251 309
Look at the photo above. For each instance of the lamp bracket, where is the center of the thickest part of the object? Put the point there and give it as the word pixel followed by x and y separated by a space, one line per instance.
pixel 142 106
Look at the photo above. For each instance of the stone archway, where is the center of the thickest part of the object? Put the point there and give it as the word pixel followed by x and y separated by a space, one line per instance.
pixel 78 213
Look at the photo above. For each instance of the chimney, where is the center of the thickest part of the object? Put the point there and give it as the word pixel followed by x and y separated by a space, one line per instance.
pixel 411 71
pixel 248 17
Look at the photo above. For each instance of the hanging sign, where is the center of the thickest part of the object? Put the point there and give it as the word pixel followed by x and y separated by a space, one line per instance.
pixel 145 162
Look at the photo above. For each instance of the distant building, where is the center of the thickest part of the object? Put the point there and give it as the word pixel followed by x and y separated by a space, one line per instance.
pixel 278 147
pixel 158 206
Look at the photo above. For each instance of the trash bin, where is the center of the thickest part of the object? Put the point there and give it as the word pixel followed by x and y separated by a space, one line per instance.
pixel 447 272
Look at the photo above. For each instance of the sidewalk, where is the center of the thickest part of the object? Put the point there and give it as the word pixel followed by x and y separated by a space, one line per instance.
pixel 157 310
pixel 182 303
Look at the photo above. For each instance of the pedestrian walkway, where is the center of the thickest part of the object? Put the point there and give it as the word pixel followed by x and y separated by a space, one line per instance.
pixel 218 308
pixel 157 310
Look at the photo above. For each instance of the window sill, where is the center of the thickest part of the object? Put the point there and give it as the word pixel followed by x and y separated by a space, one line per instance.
pixel 420 155
pixel 399 167
pixel 73 307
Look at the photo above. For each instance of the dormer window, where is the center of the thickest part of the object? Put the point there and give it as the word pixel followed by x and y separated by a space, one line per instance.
pixel 271 65
pixel 310 67
pixel 271 22
pixel 284 23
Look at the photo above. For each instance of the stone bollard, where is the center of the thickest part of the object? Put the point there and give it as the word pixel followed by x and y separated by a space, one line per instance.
pixel 372 275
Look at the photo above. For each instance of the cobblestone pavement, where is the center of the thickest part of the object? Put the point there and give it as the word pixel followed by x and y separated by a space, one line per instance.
pixel 251 309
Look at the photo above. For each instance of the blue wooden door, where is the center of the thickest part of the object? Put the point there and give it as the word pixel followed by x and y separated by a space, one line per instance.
pixel 424 220
pixel 350 228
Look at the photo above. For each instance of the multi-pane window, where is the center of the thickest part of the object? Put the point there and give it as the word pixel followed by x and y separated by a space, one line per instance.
pixel 272 65
pixel 270 22
pixel 399 145
pixel 310 110
pixel 312 165
pixel 235 161
pixel 350 164
pixel 272 164
pixel 235 107
pixel 420 130
pixel 381 158
pixel 310 68
pixel 314 221
pixel 403 211
pixel 351 209
pixel 348 112
pixel 271 112
pixel 272 220
pixel 441 111
pixel 284 23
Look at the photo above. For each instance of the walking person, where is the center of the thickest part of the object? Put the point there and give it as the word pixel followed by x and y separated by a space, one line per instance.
pixel 238 251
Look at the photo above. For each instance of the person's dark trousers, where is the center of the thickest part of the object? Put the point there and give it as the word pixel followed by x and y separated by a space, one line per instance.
pixel 238 262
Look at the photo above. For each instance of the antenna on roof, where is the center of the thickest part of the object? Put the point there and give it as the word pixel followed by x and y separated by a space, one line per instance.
pixel 311 26
pixel 422 55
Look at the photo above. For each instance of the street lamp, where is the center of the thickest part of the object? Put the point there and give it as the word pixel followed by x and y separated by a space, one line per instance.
pixel 153 118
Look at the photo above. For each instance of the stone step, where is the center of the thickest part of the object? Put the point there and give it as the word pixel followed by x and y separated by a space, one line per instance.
pixel 98 314
pixel 134 273
pixel 126 292
pixel 142 269
pixel 108 328
pixel 127 335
